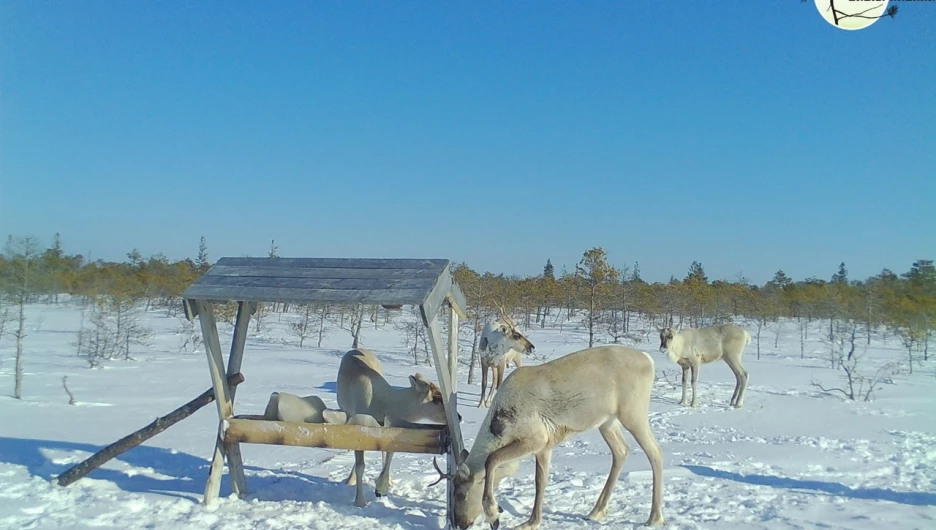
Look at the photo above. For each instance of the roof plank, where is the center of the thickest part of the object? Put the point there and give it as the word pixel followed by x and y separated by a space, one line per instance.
pixel 327 280
pixel 369 284
pixel 306 296
pixel 322 272
pixel 343 263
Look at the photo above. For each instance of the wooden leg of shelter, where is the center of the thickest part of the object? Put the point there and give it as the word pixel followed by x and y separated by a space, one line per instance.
pixel 450 402
pixel 224 400
pixel 453 347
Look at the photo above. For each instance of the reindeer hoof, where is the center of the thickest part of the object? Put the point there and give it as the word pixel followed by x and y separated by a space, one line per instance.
pixel 500 509
pixel 377 494
pixel 495 525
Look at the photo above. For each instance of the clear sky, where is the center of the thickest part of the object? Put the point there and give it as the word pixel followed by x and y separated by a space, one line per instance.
pixel 748 135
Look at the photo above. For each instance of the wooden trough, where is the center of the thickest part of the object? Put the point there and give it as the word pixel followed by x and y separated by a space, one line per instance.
pixel 427 283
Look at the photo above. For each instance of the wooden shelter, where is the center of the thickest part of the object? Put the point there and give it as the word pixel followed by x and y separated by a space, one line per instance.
pixel 427 283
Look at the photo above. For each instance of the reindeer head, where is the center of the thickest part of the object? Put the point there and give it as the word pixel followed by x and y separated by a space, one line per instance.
pixel 427 401
pixel 503 335
pixel 666 337
pixel 468 491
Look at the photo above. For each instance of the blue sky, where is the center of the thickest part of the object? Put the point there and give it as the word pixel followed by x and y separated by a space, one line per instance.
pixel 750 136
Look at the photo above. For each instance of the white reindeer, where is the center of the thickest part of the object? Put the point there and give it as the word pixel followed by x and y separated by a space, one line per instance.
pixel 362 390
pixel 501 343
pixel 691 348
pixel 538 407
pixel 309 409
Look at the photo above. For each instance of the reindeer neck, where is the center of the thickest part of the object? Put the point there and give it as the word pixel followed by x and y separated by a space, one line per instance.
pixel 485 443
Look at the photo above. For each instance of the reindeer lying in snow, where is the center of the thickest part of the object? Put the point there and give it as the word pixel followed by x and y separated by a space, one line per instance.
pixel 538 407
pixel 691 348
pixel 308 409
pixel 501 343
pixel 362 390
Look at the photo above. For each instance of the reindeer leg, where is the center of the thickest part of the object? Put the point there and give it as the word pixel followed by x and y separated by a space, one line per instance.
pixel 484 371
pixel 640 430
pixel 359 471
pixel 695 365
pixel 512 451
pixel 741 379
pixel 383 481
pixel 611 432
pixel 494 376
pixel 685 382
pixel 542 475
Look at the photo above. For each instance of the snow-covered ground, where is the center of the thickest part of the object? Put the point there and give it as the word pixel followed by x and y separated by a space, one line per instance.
pixel 792 458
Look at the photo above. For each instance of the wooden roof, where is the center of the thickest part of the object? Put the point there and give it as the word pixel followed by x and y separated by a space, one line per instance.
pixel 343 281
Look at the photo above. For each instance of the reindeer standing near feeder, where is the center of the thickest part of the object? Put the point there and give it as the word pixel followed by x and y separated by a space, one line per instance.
pixel 501 343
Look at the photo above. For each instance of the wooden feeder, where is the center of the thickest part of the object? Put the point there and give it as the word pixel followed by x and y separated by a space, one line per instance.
pixel 427 283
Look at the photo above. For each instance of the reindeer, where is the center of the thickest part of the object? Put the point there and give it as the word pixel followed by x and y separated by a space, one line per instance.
pixel 283 406
pixel 363 391
pixel 691 348
pixel 538 407
pixel 501 343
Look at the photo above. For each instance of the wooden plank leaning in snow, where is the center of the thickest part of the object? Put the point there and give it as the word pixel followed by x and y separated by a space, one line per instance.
pixel 135 438
pixel 538 407
pixel 426 283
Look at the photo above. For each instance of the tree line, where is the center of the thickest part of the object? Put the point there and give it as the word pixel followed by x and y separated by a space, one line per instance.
pixel 608 299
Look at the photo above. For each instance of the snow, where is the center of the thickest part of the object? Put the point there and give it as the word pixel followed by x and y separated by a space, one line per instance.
pixel 793 457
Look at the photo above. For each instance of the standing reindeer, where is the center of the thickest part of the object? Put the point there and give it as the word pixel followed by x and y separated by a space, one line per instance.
pixel 501 343
pixel 691 348
pixel 363 391
pixel 538 407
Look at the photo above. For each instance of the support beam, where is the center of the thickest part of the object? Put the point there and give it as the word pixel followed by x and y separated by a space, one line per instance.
pixel 230 451
pixel 136 438
pixel 450 402
pixel 428 439
pixel 222 390
pixel 453 346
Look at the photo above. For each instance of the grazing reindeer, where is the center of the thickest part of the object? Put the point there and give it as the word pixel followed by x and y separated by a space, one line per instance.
pixel 691 348
pixel 362 390
pixel 538 407
pixel 501 343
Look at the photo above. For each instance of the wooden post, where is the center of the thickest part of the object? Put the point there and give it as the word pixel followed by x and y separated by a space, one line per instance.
pixel 226 449
pixel 222 393
pixel 453 346
pixel 450 402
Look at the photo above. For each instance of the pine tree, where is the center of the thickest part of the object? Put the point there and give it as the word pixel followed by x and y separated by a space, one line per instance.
pixel 840 277
pixel 696 274
pixel 548 271
pixel 781 280
pixel 202 260
pixel 595 271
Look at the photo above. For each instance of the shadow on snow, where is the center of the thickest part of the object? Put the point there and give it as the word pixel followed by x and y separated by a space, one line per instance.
pixel 183 476
pixel 912 498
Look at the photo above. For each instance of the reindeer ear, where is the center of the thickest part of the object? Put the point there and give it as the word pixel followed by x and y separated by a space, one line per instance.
pixel 463 455
pixel 483 344
pixel 419 383
pixel 463 471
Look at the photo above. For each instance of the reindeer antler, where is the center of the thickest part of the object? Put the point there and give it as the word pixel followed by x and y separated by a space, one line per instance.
pixel 504 314
pixel 442 475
